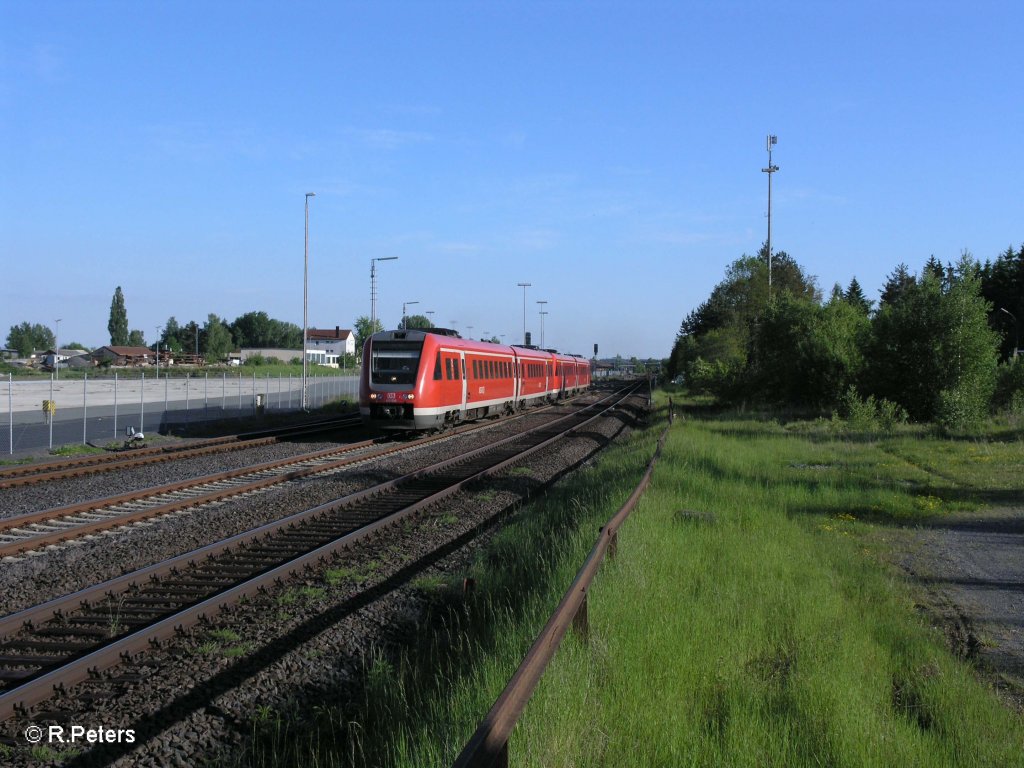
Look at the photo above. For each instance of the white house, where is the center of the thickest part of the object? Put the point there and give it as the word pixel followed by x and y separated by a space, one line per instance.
pixel 325 347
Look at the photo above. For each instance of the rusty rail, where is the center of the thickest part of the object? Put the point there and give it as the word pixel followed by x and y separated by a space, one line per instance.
pixel 488 747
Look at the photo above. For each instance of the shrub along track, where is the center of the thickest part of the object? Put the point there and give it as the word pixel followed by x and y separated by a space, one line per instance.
pixel 310 531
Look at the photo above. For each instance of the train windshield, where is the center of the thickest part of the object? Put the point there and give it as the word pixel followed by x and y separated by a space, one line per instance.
pixel 395 362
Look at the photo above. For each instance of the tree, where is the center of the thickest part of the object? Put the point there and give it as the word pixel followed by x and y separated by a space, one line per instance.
pixel 136 338
pixel 217 339
pixel 855 297
pixel 1002 284
pixel 28 337
pixel 803 353
pixel 364 331
pixel 170 337
pixel 896 285
pixel 718 332
pixel 418 321
pixel 259 330
pixel 118 323
pixel 931 348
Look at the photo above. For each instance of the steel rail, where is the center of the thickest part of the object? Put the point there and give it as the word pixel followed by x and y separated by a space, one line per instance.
pixel 38 688
pixel 488 747
pixel 87 465
pixel 34 540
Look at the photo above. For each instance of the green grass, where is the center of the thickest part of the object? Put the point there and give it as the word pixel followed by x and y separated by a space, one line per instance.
pixel 76 450
pixel 751 617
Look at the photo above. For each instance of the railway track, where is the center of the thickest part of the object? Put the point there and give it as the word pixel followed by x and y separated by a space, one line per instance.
pixel 33 532
pixel 135 457
pixel 66 640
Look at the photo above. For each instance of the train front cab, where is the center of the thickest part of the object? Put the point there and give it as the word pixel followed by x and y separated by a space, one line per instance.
pixel 391 379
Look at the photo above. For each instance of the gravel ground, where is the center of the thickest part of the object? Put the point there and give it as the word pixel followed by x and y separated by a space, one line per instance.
pixel 291 648
pixel 66 568
pixel 971 571
pixel 31 498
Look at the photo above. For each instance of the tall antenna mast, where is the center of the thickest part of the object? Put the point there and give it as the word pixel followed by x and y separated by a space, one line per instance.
pixel 771 140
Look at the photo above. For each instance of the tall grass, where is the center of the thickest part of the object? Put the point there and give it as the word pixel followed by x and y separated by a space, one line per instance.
pixel 749 619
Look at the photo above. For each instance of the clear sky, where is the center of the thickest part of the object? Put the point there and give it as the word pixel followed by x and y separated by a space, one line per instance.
pixel 609 153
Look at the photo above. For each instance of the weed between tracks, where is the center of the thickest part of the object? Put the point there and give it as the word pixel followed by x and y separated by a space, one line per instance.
pixel 750 618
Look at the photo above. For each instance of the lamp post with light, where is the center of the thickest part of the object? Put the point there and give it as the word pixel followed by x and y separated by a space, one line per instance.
pixel 542 313
pixel 56 351
pixel 159 333
pixel 524 286
pixel 305 302
pixel 373 289
pixel 405 318
pixel 770 142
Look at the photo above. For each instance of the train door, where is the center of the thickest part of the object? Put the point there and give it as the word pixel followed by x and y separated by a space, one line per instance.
pixel 465 384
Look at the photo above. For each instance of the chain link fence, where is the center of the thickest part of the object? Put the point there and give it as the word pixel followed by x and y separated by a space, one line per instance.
pixel 97 410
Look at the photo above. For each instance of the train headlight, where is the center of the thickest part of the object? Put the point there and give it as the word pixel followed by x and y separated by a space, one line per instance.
pixel 410 396
pixel 373 395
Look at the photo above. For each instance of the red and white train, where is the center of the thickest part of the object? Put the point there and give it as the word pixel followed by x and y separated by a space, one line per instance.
pixel 432 379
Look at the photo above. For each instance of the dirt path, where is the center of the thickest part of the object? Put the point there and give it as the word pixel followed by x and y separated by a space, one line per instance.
pixel 971 569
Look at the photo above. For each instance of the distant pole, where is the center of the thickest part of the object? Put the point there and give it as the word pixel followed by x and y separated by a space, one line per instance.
pixel 771 141
pixel 405 317
pixel 430 315
pixel 305 300
pixel 56 352
pixel 542 313
pixel 159 333
pixel 373 289
pixel 524 286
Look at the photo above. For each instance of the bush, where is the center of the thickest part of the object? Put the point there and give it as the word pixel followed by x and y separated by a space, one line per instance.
pixel 961 409
pixel 1009 383
pixel 857 414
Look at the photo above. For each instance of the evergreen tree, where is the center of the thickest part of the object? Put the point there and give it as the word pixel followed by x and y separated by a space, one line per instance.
pixel 118 323
pixel 896 285
pixel 855 297
pixel 1002 284
pixel 931 350
pixel 136 338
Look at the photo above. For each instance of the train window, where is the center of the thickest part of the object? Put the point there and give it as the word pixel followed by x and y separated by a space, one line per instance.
pixel 463 368
pixel 448 368
pixel 476 370
pixel 394 362
pixel 490 369
pixel 437 366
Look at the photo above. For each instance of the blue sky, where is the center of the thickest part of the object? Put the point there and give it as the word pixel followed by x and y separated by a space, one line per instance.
pixel 609 153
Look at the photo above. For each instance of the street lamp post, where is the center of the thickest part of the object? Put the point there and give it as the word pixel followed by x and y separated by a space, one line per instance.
pixel 159 333
pixel 430 314
pixel 56 351
pixel 373 289
pixel 771 141
pixel 542 313
pixel 305 302
pixel 405 318
pixel 1017 330
pixel 524 286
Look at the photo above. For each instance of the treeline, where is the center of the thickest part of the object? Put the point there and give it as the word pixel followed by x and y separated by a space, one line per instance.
pixel 216 337
pixel 937 347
